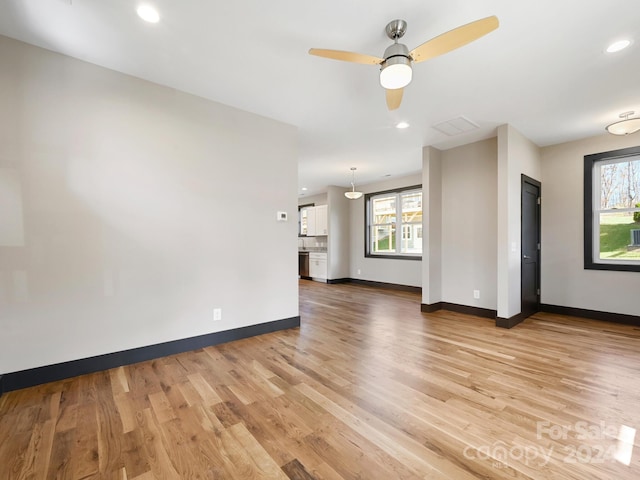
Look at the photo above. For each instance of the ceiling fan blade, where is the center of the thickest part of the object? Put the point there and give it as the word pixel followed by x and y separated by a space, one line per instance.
pixel 346 56
pixel 394 98
pixel 453 39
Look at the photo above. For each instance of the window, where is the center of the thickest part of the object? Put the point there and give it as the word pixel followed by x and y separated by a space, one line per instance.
pixel 394 223
pixel 303 215
pixel 612 210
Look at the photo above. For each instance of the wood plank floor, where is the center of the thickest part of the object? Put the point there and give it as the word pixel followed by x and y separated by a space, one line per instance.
pixel 367 388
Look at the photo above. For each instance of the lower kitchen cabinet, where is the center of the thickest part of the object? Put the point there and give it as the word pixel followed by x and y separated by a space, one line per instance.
pixel 318 265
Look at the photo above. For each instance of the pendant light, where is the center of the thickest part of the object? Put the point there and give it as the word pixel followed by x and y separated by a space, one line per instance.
pixel 626 126
pixel 353 195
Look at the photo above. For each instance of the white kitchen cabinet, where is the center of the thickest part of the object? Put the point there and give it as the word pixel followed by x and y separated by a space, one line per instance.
pixel 318 265
pixel 322 223
pixel 317 223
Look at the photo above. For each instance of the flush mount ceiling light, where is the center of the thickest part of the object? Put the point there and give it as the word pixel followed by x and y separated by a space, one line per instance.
pixel 353 195
pixel 148 13
pixel 402 125
pixel 626 126
pixel 617 46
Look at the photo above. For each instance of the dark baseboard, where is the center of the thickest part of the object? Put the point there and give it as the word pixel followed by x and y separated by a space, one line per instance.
pixel 454 307
pixel 511 321
pixel 1 385
pixel 339 280
pixel 477 311
pixel 389 286
pixel 60 371
pixel 625 319
pixel 431 307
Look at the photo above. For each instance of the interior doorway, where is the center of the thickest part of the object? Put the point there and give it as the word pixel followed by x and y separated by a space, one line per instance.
pixel 531 248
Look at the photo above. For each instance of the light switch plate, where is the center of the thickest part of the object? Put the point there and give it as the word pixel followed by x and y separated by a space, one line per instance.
pixel 282 216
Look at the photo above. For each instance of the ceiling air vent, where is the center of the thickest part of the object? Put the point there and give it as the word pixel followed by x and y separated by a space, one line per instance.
pixel 456 126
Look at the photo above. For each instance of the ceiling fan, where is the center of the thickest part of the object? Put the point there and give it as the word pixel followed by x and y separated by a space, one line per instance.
pixel 395 67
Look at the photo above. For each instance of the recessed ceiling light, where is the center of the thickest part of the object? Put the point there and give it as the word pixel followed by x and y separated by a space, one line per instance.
pixel 304 189
pixel 617 46
pixel 402 125
pixel 148 13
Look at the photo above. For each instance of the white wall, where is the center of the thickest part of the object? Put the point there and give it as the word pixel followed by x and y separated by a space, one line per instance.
pixel 565 282
pixel 142 206
pixel 11 212
pixel 432 225
pixel 338 240
pixel 516 156
pixel 399 272
pixel 469 224
pixel 319 199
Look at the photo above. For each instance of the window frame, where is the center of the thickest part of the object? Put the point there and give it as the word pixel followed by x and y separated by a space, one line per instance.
pixel 399 225
pixel 591 260
pixel 300 209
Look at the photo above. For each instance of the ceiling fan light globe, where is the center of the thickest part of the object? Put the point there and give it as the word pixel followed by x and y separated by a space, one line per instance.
pixel 396 73
pixel 624 127
pixel 352 195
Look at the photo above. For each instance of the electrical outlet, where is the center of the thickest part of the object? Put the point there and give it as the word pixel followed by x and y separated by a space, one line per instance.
pixel 359 271
pixel 217 314
pixel 476 294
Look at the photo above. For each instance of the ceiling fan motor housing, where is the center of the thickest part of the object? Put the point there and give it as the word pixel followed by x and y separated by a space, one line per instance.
pixel 395 71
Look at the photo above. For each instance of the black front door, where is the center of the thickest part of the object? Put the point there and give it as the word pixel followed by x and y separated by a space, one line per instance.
pixel 530 280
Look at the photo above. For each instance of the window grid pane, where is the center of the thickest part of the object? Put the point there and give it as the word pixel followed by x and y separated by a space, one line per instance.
pixel 619 185
pixel 619 237
pixel 383 239
pixel 384 210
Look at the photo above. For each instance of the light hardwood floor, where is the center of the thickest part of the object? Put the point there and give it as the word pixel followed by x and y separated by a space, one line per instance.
pixel 367 388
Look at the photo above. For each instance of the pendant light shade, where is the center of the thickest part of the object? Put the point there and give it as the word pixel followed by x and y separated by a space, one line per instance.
pixel 352 194
pixel 626 126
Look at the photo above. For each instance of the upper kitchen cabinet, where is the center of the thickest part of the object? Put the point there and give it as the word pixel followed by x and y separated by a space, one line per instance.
pixel 322 224
pixel 313 221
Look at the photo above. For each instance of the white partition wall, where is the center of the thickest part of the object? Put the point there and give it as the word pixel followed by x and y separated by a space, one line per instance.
pixel 144 209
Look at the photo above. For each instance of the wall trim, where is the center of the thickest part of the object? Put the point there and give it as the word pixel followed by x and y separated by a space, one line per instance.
pixel 61 371
pixel 623 318
pixel 389 286
pixel 511 321
pixel 339 280
pixel 430 307
pixel 454 307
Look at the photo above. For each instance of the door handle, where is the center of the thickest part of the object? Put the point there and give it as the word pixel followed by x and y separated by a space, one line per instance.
pixel 526 257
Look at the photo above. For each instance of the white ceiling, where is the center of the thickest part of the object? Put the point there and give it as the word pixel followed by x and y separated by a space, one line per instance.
pixel 544 70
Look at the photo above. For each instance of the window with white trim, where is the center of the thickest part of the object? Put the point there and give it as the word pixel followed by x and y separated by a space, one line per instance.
pixel 303 215
pixel 612 210
pixel 394 223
